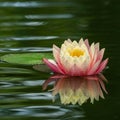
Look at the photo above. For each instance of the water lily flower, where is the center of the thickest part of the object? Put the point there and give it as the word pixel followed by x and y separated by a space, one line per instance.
pixel 74 89
pixel 77 58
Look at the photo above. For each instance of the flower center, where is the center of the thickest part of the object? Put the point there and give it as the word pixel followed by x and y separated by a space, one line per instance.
pixel 76 52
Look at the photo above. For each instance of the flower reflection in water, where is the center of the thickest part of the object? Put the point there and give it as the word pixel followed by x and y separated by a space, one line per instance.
pixel 77 89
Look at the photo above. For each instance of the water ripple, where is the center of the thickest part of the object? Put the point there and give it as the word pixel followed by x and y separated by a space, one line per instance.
pixel 29 38
pixel 36 96
pixel 9 24
pixel 12 70
pixel 35 4
pixel 26 49
pixel 33 83
pixel 5 84
pixel 44 111
pixel 49 16
pixel 37 16
pixel 39 111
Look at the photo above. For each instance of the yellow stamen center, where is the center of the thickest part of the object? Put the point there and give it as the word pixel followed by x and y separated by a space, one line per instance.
pixel 76 52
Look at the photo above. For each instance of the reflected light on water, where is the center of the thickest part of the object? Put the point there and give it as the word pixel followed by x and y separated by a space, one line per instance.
pixel 49 16
pixel 26 49
pixel 29 38
pixel 9 24
pixel 33 4
pixel 77 89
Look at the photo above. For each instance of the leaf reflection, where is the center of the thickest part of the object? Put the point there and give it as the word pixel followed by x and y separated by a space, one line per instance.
pixel 77 89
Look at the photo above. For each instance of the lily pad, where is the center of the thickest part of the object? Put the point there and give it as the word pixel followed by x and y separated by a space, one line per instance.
pixel 26 58
pixel 42 68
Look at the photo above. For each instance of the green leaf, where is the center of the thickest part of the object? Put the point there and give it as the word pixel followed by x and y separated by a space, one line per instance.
pixel 42 68
pixel 26 58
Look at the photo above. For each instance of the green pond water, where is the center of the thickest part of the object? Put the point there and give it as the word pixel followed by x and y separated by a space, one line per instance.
pixel 34 26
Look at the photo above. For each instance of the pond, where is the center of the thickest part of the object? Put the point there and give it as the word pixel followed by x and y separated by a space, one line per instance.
pixel 34 26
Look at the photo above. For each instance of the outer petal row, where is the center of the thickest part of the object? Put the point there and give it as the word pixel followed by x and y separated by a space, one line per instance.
pixel 53 66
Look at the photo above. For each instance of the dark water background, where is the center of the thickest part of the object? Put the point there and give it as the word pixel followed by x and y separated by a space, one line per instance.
pixel 33 26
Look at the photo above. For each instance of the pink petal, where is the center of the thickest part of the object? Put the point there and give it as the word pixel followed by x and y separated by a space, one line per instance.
pixel 92 53
pixel 94 58
pixel 102 66
pixel 93 68
pixel 52 66
pixel 56 48
pixel 56 54
pixel 97 47
pixel 87 43
pixel 93 63
pixel 100 54
pixel 76 71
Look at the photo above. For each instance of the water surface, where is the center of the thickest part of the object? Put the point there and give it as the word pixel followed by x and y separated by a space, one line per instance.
pixel 34 26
